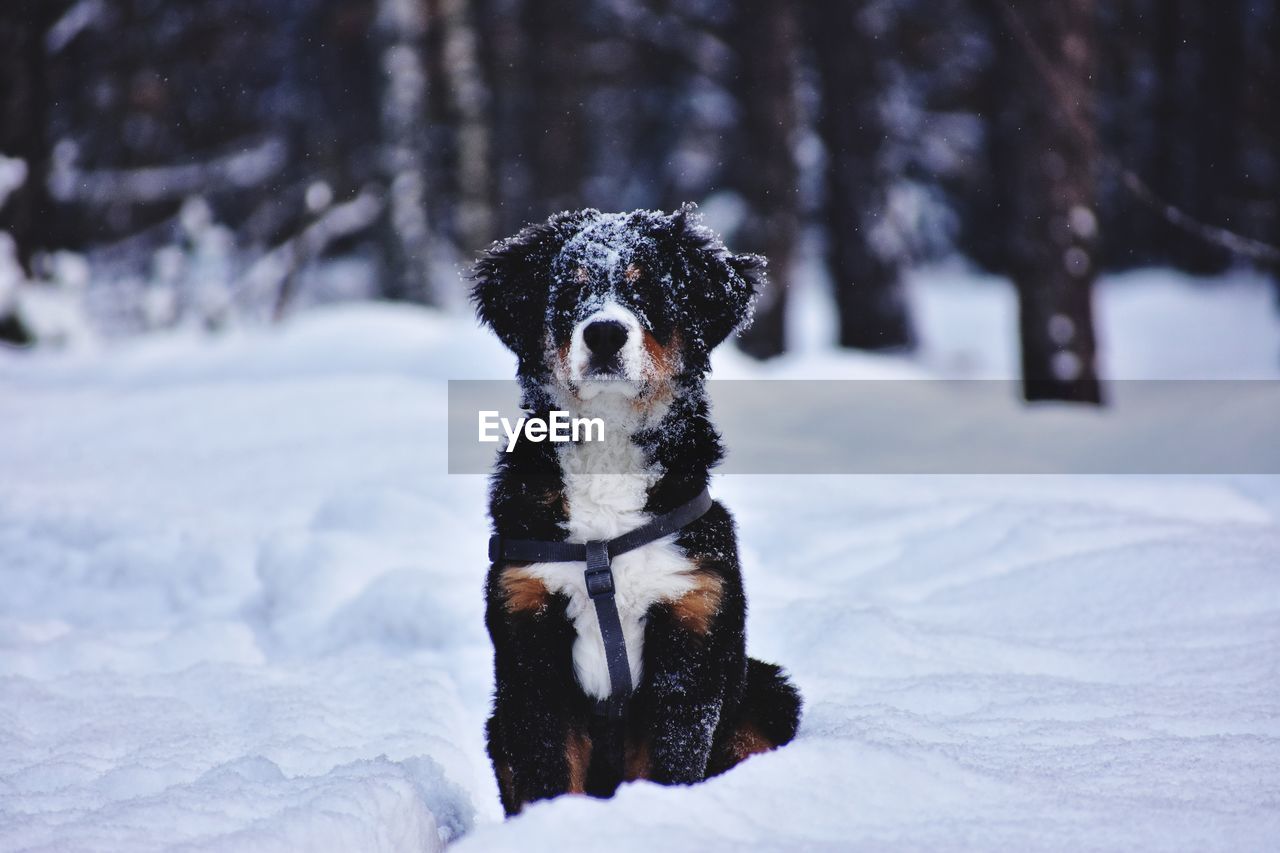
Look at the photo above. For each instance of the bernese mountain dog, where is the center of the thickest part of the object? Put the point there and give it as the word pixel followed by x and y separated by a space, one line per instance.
pixel 614 315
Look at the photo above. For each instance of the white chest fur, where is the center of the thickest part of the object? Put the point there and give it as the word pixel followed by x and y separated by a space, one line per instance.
pixel 603 504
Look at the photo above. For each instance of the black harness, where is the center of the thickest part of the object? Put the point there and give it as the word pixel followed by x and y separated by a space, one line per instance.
pixel 599 577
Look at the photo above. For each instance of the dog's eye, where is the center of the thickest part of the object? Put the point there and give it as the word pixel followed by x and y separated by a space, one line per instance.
pixel 564 301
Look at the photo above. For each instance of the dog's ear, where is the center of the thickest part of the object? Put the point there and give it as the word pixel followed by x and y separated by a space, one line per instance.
pixel 512 280
pixel 722 286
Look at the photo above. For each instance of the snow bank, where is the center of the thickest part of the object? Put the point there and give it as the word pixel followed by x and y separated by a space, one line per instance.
pixel 242 611
pixel 1151 324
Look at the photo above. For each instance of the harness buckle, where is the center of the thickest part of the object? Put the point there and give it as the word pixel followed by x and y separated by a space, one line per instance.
pixel 599 582
pixel 599 576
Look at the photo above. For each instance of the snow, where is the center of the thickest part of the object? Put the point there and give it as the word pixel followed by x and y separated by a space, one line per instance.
pixel 251 164
pixel 13 174
pixel 79 17
pixel 1151 324
pixel 242 609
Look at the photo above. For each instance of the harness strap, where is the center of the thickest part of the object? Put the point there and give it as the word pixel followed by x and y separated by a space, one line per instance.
pixel 597 554
pixel 599 577
pixel 541 551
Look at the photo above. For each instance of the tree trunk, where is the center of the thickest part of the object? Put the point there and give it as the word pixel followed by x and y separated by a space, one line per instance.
pixel 765 173
pixel 1216 143
pixel 868 290
pixel 555 125
pixel 468 99
pixel 401 26
pixel 26 211
pixel 1052 171
pixel 1198 82
pixel 1269 130
pixel 1128 67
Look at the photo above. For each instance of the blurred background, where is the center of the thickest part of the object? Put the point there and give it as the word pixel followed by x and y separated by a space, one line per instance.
pixel 241 597
pixel 216 162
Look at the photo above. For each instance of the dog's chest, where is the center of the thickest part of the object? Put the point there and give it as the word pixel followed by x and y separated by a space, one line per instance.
pixel 604 504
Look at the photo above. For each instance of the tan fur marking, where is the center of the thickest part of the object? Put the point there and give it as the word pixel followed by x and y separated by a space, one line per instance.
pixel 555 498
pixel 696 608
pixel 638 762
pixel 522 592
pixel 507 782
pixel 632 273
pixel 577 753
pixel 666 360
pixel 581 275
pixel 747 741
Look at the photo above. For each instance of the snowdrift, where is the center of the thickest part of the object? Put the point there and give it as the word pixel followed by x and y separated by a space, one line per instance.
pixel 242 610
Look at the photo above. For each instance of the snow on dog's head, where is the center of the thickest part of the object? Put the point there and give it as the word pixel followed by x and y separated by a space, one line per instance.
pixel 614 302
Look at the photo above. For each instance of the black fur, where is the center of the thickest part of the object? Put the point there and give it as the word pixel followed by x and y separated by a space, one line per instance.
pixel 702 704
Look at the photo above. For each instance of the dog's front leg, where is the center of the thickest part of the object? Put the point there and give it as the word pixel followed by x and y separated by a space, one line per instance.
pixel 686 687
pixel 537 748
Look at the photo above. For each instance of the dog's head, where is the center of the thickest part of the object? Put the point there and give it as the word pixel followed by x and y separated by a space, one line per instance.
pixel 614 302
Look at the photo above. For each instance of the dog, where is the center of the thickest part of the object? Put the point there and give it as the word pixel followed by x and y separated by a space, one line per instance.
pixel 615 315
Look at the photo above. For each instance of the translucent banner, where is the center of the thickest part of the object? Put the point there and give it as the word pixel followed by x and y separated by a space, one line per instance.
pixel 932 427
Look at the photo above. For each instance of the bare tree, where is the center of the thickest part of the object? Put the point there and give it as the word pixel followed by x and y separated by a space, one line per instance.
pixel 402 26
pixel 864 272
pixel 1047 63
pixel 555 125
pixel 26 214
pixel 465 114
pixel 1270 130
pixel 764 169
pixel 25 206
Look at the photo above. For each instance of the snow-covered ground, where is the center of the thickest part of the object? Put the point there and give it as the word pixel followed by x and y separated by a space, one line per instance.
pixel 240 609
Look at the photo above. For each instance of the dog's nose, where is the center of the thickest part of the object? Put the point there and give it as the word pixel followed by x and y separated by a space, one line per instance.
pixel 604 338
